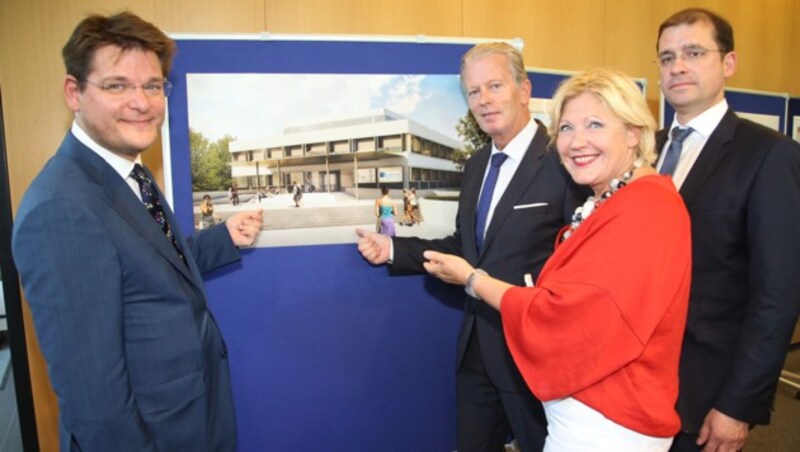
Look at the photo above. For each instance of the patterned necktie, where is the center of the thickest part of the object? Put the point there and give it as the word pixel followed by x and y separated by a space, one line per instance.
pixel 152 202
pixel 674 151
pixel 486 197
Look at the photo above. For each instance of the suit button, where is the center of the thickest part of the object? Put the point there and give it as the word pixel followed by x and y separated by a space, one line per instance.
pixel 223 354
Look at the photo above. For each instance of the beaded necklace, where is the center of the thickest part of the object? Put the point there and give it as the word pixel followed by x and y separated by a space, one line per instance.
pixel 592 203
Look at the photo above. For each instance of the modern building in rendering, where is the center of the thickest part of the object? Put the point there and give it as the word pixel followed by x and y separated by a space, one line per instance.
pixel 377 148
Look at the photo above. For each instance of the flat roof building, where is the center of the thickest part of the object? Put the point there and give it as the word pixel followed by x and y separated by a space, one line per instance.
pixel 376 148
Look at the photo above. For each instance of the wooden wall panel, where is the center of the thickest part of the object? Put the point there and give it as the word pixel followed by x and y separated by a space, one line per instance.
pixel 381 17
pixel 573 35
pixel 793 55
pixel 559 35
pixel 762 34
pixel 209 16
pixel 631 27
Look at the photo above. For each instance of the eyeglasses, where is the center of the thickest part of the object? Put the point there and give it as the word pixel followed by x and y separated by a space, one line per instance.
pixel 689 55
pixel 155 88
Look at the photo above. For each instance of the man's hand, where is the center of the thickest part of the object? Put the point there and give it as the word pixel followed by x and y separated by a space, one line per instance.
pixel 373 247
pixel 721 433
pixel 244 226
pixel 447 267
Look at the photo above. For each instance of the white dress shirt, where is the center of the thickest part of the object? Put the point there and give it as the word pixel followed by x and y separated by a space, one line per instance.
pixel 515 150
pixel 703 125
pixel 121 165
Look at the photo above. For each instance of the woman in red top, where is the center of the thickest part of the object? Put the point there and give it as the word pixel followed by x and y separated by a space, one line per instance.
pixel 598 337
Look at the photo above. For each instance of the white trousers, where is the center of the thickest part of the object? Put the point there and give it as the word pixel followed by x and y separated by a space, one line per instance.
pixel 575 427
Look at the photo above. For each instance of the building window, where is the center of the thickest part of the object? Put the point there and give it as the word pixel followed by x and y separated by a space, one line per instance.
pixel 315 149
pixel 340 147
pixel 416 144
pixel 391 143
pixel 365 145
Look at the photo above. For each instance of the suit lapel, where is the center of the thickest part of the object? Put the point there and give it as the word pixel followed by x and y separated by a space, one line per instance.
pixel 127 205
pixel 661 140
pixel 526 173
pixel 187 251
pixel 712 153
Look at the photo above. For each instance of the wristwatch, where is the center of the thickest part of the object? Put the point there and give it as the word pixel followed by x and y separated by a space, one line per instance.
pixel 469 287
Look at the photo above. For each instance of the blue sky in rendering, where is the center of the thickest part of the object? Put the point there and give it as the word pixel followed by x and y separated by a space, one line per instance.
pixel 249 106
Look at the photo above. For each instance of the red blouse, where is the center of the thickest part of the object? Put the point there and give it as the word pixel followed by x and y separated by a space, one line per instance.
pixel 605 322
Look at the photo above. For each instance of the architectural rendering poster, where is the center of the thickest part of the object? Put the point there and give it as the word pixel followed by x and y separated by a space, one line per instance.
pixel 314 150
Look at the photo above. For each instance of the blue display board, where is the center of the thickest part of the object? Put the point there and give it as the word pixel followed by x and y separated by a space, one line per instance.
pixel 326 351
pixel 757 102
pixel 546 81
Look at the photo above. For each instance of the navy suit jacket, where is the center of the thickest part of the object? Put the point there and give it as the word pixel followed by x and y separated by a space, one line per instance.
pixel 743 196
pixel 539 201
pixel 134 356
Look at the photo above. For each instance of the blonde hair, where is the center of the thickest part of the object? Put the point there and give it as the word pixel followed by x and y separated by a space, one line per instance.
pixel 621 97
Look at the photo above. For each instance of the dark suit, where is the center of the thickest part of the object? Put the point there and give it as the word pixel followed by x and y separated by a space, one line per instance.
pixel 743 196
pixel 134 355
pixel 517 241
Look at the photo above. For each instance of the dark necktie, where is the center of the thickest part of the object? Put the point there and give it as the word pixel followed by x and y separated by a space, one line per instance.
pixel 152 202
pixel 486 197
pixel 674 151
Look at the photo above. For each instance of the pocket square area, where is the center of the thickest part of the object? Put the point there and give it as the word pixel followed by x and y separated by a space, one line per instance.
pixel 529 206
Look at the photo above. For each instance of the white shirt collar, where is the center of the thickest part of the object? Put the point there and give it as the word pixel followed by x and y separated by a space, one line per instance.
pixel 707 121
pixel 518 146
pixel 120 165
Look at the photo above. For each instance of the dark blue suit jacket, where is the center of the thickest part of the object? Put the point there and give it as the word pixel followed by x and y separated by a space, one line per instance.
pixel 134 356
pixel 743 197
pixel 537 203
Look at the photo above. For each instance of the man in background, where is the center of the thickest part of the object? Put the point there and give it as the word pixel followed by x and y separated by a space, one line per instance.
pixel 134 356
pixel 515 197
pixel 741 184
